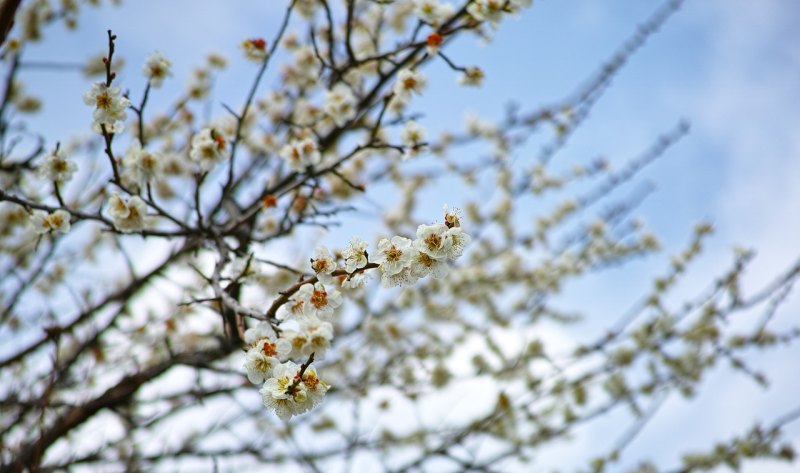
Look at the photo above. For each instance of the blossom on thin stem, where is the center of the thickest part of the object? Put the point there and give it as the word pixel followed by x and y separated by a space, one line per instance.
pixel 433 12
pixel 128 215
pixel 156 68
pixel 323 265
pixel 473 76
pixel 57 168
pixel 408 82
pixel 301 154
pixel 140 166
pixel 355 255
pixel 109 106
pixel 57 222
pixel 290 393
pixel 340 104
pixel 319 301
pixel 208 148
pixel 255 49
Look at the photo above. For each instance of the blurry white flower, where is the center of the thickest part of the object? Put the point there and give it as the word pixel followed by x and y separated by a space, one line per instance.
pixel 127 215
pixel 340 104
pixel 255 49
pixel 57 221
pixel 433 12
pixel 301 154
pixel 408 82
pixel 472 76
pixel 139 165
pixel 57 168
pixel 318 337
pixel 156 69
pixel 208 148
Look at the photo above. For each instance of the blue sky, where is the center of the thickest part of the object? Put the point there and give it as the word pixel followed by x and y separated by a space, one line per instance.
pixel 729 67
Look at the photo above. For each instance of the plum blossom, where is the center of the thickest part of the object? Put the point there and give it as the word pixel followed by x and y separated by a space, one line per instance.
pixel 355 255
pixel 340 104
pixel 255 49
pixel 110 106
pixel 408 82
pixel 57 222
pixel 128 215
pixel 301 154
pixel 393 255
pixel 323 265
pixel 57 168
pixel 208 148
pixel 432 241
pixel 319 301
pixel 290 393
pixel 157 68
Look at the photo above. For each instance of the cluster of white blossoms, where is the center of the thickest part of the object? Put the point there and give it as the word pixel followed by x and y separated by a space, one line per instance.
pixel 128 215
pixel 57 221
pixel 57 168
pixel 340 104
pixel 404 261
pixel 156 68
pixel 208 148
pixel 301 154
pixel 291 389
pixel 110 106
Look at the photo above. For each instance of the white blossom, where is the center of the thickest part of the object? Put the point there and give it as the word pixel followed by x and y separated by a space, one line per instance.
pixel 128 215
pixel 109 106
pixel 156 68
pixel 258 331
pixel 259 365
pixel 394 255
pixel 355 255
pixel 487 10
pixel 290 394
pixel 408 82
pixel 422 264
pixel 432 241
pixel 255 49
pixel 57 168
pixel 301 154
pixel 473 76
pixel 413 137
pixel 433 12
pixel 318 335
pixel 57 222
pixel 458 240
pixel 340 104
pixel 208 148
pixel 140 166
pixel 323 265
pixel 319 301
